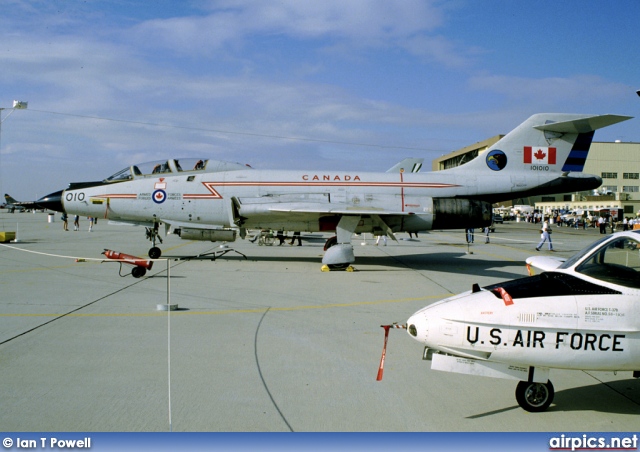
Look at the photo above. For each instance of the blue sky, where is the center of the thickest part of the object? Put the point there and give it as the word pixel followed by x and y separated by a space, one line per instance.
pixel 293 84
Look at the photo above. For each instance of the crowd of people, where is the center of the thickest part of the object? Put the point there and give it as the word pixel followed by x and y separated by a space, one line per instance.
pixel 604 223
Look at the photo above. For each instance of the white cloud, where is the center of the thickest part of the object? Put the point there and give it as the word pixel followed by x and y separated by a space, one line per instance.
pixel 576 90
pixel 361 23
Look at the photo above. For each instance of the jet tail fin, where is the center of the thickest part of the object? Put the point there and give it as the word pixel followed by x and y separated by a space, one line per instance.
pixel 10 200
pixel 549 142
pixel 585 128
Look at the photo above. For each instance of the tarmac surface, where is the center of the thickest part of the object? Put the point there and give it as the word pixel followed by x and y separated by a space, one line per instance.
pixel 267 343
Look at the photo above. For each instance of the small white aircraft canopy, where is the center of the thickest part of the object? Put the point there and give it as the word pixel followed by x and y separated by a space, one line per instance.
pixel 614 260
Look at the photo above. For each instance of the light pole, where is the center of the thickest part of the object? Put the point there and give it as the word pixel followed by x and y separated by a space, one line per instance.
pixel 17 105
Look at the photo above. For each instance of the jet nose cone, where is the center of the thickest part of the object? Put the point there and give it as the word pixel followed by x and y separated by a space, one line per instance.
pixel 52 201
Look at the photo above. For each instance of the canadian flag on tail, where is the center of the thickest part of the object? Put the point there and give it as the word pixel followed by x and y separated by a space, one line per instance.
pixel 540 155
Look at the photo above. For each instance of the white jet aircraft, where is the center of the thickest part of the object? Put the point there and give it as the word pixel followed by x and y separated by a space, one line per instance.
pixel 212 200
pixel 581 313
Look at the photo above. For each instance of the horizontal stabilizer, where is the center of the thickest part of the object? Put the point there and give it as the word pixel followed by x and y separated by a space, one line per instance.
pixel 582 125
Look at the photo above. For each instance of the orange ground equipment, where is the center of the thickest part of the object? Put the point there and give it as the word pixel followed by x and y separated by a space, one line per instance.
pixel 140 266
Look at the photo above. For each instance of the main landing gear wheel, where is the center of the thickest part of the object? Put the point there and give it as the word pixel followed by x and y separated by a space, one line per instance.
pixel 534 397
pixel 344 266
pixel 330 242
pixel 155 252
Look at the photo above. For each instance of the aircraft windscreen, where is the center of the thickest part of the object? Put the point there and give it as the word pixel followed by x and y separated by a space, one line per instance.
pixel 583 252
pixel 618 262
pixel 121 175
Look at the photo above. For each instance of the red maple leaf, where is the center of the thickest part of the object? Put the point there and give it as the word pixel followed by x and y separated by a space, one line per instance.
pixel 539 154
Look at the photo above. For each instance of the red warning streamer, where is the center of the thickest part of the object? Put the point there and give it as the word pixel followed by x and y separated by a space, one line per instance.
pixel 384 348
pixel 506 298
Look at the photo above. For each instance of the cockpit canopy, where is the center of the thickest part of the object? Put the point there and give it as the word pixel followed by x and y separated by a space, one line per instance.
pixel 617 261
pixel 173 166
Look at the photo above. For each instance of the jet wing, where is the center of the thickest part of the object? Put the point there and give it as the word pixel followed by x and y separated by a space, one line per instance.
pixel 339 210
pixel 248 209
pixel 131 223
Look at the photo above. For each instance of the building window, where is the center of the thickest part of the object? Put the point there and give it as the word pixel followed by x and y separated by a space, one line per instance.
pixel 630 175
pixel 630 189
pixel 609 175
pixel 609 188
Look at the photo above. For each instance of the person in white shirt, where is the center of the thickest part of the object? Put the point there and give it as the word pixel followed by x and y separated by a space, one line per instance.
pixel 545 236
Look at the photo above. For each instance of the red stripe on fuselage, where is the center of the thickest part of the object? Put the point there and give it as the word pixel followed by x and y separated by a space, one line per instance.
pixel 333 184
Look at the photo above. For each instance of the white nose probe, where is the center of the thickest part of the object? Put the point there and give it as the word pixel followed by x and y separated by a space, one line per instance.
pixel 384 348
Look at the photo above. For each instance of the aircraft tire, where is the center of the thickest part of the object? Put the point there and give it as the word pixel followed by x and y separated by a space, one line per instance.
pixel 534 397
pixel 330 242
pixel 155 252
pixel 138 272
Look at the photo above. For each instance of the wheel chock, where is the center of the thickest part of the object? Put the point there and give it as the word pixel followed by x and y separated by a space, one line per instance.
pixel 326 268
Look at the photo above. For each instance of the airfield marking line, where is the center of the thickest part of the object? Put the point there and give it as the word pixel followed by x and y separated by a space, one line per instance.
pixel 49 254
pixel 83 260
pixel 233 311
pixel 264 382
pixel 481 235
pixel 520 241
pixel 43 268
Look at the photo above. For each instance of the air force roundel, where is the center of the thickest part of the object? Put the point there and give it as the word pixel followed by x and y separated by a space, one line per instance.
pixel 496 160
pixel 159 196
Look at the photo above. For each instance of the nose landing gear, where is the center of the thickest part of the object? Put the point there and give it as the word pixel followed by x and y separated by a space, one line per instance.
pixel 153 235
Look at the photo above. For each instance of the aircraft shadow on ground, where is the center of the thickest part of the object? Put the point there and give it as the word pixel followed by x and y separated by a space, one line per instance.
pixel 591 398
pixel 249 259
pixel 597 397
pixel 448 262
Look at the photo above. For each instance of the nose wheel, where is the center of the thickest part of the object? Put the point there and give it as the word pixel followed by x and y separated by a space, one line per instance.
pixel 534 397
pixel 153 235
